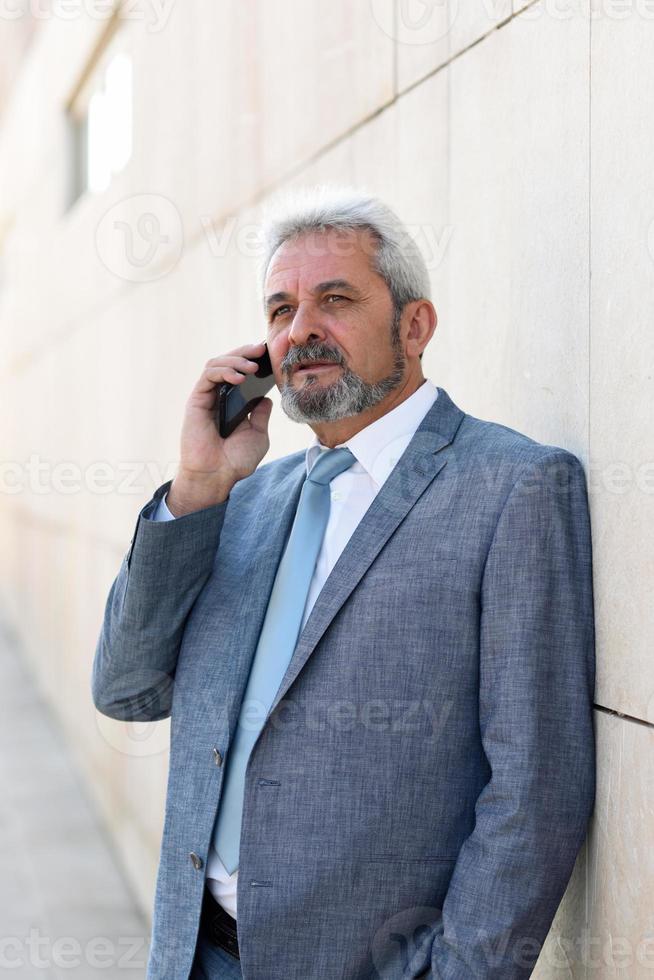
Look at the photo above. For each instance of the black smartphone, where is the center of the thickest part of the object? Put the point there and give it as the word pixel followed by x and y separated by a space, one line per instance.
pixel 235 402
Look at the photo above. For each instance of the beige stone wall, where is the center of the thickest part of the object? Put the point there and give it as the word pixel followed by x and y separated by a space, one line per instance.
pixel 516 142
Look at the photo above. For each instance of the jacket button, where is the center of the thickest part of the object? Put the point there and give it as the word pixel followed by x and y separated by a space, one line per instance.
pixel 217 757
pixel 196 859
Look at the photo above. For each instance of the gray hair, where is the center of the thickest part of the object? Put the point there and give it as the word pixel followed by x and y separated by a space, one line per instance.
pixel 397 258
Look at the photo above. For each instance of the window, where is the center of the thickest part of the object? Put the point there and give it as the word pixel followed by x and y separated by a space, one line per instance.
pixel 100 117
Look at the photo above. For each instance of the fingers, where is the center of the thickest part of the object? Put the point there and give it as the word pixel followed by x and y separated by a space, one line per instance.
pixel 230 368
pixel 247 350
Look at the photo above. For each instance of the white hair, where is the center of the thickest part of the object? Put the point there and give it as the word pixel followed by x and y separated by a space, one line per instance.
pixel 397 258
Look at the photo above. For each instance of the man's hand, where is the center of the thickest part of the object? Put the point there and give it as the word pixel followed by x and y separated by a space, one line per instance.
pixel 209 464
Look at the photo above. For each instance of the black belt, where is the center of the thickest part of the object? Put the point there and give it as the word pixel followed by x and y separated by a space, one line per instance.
pixel 217 925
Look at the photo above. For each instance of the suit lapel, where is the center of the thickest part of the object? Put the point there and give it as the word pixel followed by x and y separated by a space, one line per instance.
pixel 415 470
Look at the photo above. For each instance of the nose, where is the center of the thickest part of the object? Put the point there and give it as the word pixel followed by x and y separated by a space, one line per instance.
pixel 305 326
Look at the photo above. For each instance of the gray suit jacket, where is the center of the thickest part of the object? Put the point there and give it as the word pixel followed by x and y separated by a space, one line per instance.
pixel 416 799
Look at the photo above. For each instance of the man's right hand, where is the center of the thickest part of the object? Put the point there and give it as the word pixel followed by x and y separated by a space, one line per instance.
pixel 210 465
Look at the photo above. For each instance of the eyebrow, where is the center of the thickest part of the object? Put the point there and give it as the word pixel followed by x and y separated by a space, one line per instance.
pixel 322 287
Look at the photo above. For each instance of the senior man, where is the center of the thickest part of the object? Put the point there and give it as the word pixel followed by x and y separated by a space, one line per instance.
pixel 377 653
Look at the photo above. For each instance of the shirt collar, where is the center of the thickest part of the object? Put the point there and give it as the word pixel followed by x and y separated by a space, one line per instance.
pixel 378 447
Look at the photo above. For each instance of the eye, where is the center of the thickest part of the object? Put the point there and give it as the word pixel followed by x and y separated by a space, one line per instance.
pixel 278 310
pixel 335 296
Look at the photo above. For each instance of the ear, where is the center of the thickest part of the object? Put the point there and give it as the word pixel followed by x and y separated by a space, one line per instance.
pixel 422 324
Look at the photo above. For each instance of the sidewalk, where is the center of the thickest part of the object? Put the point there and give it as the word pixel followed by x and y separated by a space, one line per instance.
pixel 65 909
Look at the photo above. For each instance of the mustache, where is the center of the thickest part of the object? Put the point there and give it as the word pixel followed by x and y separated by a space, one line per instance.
pixel 319 352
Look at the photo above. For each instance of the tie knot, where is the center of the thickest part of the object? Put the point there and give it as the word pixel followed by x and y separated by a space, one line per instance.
pixel 330 464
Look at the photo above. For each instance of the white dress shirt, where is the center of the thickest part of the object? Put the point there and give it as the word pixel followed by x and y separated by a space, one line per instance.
pixel 376 449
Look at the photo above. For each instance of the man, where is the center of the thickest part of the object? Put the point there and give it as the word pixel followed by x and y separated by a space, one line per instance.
pixel 377 654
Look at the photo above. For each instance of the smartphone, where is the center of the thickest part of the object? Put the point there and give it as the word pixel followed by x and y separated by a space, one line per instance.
pixel 235 402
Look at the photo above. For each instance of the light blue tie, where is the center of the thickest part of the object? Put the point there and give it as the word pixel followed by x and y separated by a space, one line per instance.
pixel 279 634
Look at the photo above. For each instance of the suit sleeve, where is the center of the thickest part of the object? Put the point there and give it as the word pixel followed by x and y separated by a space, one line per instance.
pixel 161 576
pixel 537 676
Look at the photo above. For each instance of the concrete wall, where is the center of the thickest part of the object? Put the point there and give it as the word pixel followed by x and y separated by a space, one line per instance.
pixel 515 141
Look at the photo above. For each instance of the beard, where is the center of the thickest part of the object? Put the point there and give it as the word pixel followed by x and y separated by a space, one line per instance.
pixel 317 401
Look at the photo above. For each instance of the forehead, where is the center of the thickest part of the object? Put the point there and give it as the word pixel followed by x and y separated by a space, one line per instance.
pixel 321 255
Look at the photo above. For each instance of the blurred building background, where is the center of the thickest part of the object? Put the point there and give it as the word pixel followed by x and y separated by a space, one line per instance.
pixel 138 142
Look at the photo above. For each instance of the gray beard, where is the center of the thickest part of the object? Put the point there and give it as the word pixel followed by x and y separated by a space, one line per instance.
pixel 315 401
